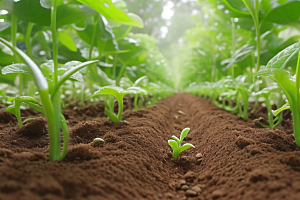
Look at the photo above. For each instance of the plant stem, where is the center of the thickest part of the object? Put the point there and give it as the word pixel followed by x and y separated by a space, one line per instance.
pixel 232 45
pixel 54 40
pixel 53 127
pixel 27 39
pixel 120 109
pixel 296 113
pixel 56 98
pixel 118 79
pixel 14 25
pixel 115 66
pixel 93 37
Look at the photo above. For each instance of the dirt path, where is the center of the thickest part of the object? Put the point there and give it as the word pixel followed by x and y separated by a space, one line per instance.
pixel 232 159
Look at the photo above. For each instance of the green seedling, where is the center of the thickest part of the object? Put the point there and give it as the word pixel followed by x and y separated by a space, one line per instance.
pixel 175 143
pixel 118 93
pixel 265 93
pixel 17 101
pixel 50 99
pixel 289 84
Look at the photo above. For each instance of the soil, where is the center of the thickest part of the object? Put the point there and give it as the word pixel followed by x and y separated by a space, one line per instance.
pixel 233 159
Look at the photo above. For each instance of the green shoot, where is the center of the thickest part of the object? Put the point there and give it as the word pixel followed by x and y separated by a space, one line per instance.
pixel 288 83
pixel 175 143
pixel 15 108
pixel 265 93
pixel 118 93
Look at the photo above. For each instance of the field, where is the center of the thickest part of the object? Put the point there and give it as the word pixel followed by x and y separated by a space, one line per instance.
pixel 233 159
pixel 149 100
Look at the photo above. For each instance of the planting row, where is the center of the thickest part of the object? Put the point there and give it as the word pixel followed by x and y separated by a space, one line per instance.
pixel 57 52
pixel 243 53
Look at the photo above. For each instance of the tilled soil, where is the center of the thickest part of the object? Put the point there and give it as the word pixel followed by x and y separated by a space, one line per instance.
pixel 232 160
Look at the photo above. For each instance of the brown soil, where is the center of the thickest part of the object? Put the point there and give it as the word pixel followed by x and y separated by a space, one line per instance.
pixel 232 160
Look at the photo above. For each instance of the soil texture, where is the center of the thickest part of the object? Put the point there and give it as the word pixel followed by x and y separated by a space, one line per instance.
pixel 233 159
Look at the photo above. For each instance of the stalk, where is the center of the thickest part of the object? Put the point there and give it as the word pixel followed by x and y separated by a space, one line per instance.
pixel 56 98
pixel 120 109
pixel 27 39
pixel 232 45
pixel 93 37
pixel 118 79
pixel 14 27
pixel 296 113
pixel 54 139
pixel 14 23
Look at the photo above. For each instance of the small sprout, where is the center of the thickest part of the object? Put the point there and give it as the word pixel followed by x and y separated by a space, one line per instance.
pixel 98 140
pixel 175 143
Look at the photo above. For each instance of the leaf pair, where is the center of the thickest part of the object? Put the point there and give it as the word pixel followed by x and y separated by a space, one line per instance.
pixel 175 143
pixel 118 93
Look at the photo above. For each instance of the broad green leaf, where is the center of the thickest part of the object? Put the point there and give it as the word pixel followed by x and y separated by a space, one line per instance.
pixel 23 99
pixel 71 14
pixel 39 79
pixel 185 147
pixel 184 134
pixel 280 60
pixel 285 14
pixel 250 5
pixel 28 10
pixel 109 11
pixel 17 68
pixel 46 3
pixel 67 41
pixel 234 9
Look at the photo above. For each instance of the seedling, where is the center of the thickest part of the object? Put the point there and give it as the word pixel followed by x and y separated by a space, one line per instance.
pixel 118 93
pixel 175 143
pixel 289 84
pixel 49 101
pixel 265 93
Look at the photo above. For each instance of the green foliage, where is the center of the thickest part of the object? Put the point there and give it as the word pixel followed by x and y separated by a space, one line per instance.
pixel 176 143
pixel 118 93
pixel 289 84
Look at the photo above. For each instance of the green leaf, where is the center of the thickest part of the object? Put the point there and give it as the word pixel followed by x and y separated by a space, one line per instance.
pixel 112 116
pixel 173 144
pixel 118 92
pixel 185 147
pixel 183 134
pixel 17 68
pixel 40 81
pixel 176 139
pixel 285 14
pixel 282 108
pixel 28 10
pixel 69 73
pixel 109 11
pixel 234 9
pixel 280 60
pixel 67 41
pixel 46 3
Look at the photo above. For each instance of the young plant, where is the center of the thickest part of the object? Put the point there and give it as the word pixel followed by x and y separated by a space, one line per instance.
pixel 175 143
pixel 118 93
pixel 289 84
pixel 55 119
pixel 265 94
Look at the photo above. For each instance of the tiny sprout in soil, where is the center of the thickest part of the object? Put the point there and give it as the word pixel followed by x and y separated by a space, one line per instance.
pixel 175 143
